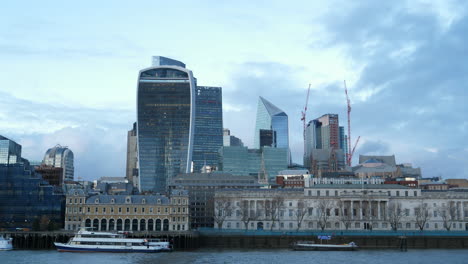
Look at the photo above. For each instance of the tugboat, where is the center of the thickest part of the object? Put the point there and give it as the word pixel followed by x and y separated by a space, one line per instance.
pixel 90 241
pixel 6 243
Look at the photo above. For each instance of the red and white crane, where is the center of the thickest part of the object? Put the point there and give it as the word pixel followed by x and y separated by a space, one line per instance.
pixel 349 155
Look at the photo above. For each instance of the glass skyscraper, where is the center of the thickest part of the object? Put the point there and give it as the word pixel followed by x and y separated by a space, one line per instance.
pixel 10 151
pixel 61 157
pixel 165 123
pixel 270 117
pixel 208 137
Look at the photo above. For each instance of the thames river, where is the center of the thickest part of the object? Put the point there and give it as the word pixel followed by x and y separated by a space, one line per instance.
pixel 282 256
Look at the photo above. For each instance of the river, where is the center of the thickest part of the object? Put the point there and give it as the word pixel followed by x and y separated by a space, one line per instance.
pixel 283 256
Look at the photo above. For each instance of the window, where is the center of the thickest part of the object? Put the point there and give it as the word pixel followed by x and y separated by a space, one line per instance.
pixel 142 210
pixel 95 209
pixel 384 225
pixel 318 193
pixel 151 209
pixel 282 225
pixel 436 226
pixel 406 193
pixel 408 225
pixel 310 193
pixel 237 225
pixel 415 193
pixel 327 193
pixel 135 210
pixel 357 225
pixel 143 201
pixel 290 225
pixel 397 193
pixel 407 212
pixel 128 210
pixel 336 193
pixel 290 212
pixel 104 210
pixel 310 211
pixel 120 209
pixel 290 203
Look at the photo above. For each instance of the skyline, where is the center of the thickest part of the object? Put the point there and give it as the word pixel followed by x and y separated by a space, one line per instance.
pixel 405 73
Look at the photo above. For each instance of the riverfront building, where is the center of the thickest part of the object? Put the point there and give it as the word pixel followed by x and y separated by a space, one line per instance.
pixel 127 212
pixel 201 188
pixel 165 123
pixel 25 198
pixel 60 157
pixel 343 207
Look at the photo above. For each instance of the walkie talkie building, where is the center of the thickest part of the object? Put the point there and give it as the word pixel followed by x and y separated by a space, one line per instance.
pixel 165 123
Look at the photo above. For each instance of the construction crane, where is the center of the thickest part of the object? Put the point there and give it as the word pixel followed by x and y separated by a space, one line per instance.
pixel 303 118
pixel 303 114
pixel 349 155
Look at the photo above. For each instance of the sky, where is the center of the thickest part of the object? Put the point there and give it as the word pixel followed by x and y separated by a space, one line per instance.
pixel 68 72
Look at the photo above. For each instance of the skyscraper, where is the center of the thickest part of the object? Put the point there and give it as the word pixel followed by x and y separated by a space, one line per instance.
pixel 61 157
pixel 10 151
pixel 132 161
pixel 165 122
pixel 325 144
pixel 270 117
pixel 208 137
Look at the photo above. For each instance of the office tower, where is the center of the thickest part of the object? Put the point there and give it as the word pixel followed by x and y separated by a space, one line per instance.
pixel 25 197
pixel 132 160
pixel 325 144
pixel 243 161
pixel 230 140
pixel 10 151
pixel 270 117
pixel 165 123
pixel 60 157
pixel 208 127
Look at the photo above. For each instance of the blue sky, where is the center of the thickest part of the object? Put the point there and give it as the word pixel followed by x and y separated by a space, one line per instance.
pixel 69 70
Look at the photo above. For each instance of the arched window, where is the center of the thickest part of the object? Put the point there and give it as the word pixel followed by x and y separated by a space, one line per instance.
pixel 150 225
pixel 88 223
pixel 135 224
pixel 96 224
pixel 119 225
pixel 103 225
pixel 158 224
pixel 111 225
pixel 127 225
pixel 166 225
pixel 142 225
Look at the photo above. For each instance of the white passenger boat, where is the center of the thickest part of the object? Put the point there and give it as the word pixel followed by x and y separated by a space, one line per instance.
pixel 90 241
pixel 311 245
pixel 6 243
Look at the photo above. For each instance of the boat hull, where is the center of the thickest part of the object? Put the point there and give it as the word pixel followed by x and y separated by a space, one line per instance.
pixel 319 247
pixel 6 244
pixel 83 249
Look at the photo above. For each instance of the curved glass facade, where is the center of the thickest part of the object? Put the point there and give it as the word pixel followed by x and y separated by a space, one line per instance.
pixel 165 114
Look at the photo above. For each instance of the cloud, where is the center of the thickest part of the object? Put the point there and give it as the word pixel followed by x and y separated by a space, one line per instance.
pixel 97 137
pixel 410 94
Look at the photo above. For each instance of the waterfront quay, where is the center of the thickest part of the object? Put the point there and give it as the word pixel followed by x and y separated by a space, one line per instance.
pixel 262 239
pixel 45 240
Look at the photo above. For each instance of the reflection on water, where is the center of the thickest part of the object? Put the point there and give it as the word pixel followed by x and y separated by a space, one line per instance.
pixel 282 256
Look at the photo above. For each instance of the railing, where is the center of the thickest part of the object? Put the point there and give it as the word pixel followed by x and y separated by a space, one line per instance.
pixel 332 232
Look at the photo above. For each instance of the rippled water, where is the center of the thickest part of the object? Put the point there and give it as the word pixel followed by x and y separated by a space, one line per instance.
pixel 282 256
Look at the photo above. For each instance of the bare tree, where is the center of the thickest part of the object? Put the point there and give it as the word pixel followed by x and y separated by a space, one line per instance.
pixel 247 215
pixel 422 215
pixel 223 208
pixel 448 212
pixel 345 214
pixel 301 211
pixel 324 212
pixel 273 208
pixel 395 214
